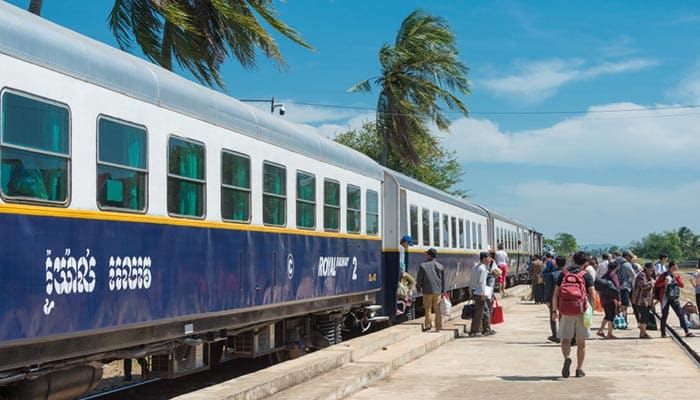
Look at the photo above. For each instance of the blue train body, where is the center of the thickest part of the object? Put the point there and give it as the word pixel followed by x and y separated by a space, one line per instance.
pixel 72 275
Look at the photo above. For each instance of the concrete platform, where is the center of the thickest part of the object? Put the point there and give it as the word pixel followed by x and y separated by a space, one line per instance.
pixel 402 362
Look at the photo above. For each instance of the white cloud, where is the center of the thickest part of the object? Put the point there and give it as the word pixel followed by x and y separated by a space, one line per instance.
pixel 539 80
pixel 651 137
pixel 688 89
pixel 603 214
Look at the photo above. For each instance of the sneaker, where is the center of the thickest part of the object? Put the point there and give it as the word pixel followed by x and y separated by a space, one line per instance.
pixel 580 373
pixel 554 339
pixel 474 334
pixel 663 335
pixel 488 333
pixel 689 334
pixel 566 369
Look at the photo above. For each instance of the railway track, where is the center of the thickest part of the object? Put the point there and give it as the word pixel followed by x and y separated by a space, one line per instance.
pixel 679 339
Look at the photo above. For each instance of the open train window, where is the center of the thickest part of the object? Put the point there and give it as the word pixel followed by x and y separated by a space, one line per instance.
pixel 235 187
pixel 461 233
pixel 413 210
pixel 372 212
pixel 445 231
pixel 186 179
pixel 274 194
pixel 306 200
pixel 122 165
pixel 454 232
pixel 331 205
pixel 35 147
pixel 426 226
pixel 354 201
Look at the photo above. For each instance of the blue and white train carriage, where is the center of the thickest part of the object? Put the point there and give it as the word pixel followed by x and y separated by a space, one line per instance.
pixel 144 216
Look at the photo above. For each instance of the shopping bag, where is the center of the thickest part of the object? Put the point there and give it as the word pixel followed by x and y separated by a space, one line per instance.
pixel 619 321
pixel 598 306
pixel 588 316
pixel 445 307
pixel 497 316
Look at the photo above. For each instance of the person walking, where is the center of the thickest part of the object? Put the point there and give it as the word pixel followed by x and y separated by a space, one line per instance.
pixel 481 321
pixel 536 270
pixel 572 294
pixel 626 274
pixel 642 297
pixel 609 303
pixel 431 281
pixel 671 283
pixel 551 277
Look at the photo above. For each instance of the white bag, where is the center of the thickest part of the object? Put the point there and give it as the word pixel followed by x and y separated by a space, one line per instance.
pixel 445 307
pixel 694 321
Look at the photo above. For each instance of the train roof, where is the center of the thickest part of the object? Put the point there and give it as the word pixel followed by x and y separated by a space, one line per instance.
pixel 417 186
pixel 35 40
pixel 509 220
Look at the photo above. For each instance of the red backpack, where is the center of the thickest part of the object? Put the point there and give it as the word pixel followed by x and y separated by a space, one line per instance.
pixel 572 293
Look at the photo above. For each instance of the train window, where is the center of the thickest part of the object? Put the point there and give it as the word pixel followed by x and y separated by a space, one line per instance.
pixel 35 149
pixel 461 233
pixel 331 205
pixel 474 235
pixel 426 226
pixel 480 242
pixel 306 200
pixel 274 194
pixel 186 178
pixel 354 200
pixel 122 165
pixel 414 222
pixel 445 231
pixel 436 228
pixel 235 187
pixel 454 232
pixel 468 236
pixel 372 212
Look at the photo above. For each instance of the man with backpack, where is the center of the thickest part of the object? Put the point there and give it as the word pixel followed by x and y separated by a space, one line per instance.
pixel 570 301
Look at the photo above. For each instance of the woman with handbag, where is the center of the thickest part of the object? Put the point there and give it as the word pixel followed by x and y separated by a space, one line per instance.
pixel 671 283
pixel 609 303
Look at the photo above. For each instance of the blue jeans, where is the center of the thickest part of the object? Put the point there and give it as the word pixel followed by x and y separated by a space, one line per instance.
pixel 676 305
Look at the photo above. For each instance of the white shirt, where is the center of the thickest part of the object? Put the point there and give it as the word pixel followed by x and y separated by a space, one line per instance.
pixel 660 268
pixel 501 257
pixel 603 267
pixel 591 271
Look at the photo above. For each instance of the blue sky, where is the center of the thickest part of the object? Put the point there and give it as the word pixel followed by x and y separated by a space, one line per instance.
pixel 575 124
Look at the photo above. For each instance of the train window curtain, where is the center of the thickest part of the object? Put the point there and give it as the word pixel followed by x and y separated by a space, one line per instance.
pixel 122 165
pixel 306 200
pixel 185 178
pixel 235 187
pixel 331 205
pixel 35 148
pixel 274 194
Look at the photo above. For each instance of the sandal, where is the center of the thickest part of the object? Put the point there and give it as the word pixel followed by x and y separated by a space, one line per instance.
pixel 611 337
pixel 601 334
pixel 645 336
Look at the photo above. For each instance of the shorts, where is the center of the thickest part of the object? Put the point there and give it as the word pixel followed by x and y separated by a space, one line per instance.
pixel 644 313
pixel 504 272
pixel 571 326
pixel 625 297
pixel 610 311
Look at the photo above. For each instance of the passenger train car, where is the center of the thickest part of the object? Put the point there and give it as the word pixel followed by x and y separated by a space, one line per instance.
pixel 144 216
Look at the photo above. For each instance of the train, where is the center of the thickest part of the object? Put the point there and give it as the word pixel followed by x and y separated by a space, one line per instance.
pixel 146 217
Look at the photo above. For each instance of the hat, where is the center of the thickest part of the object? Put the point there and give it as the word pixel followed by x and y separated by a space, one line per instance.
pixel 627 253
pixel 408 239
pixel 432 252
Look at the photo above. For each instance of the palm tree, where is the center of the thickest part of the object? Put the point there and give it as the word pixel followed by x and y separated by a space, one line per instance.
pixel 200 34
pixel 419 73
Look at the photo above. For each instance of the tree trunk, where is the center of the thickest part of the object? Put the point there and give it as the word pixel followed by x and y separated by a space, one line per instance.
pixel 35 6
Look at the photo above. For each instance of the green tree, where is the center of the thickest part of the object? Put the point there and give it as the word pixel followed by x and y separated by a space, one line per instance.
pixel 440 168
pixel 686 239
pixel 200 34
pixel 419 73
pixel 654 244
pixel 562 244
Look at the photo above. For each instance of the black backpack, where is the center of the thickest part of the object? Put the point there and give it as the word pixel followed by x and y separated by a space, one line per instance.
pixel 673 291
